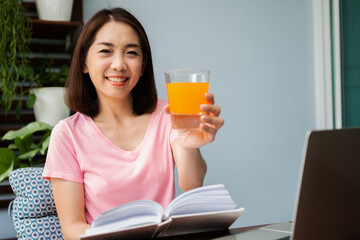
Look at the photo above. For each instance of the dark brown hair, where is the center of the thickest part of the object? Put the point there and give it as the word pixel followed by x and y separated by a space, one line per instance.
pixel 81 94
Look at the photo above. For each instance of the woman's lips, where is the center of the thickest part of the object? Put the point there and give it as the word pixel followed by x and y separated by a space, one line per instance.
pixel 117 81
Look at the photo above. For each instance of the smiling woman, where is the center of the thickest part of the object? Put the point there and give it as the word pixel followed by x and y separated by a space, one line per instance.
pixel 118 60
pixel 144 94
pixel 121 139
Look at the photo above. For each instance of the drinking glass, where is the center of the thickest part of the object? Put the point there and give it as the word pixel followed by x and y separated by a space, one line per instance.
pixel 186 90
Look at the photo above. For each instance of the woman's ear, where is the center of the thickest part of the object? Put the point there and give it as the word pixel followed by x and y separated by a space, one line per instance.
pixel 85 69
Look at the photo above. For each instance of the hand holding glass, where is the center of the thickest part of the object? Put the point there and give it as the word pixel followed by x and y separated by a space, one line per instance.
pixel 186 90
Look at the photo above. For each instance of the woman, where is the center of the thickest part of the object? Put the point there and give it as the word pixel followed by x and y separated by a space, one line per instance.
pixel 119 146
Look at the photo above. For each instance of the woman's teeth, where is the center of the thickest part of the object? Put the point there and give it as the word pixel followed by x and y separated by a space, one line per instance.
pixel 116 79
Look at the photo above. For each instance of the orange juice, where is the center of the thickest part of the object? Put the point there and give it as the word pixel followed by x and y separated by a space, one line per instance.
pixel 185 99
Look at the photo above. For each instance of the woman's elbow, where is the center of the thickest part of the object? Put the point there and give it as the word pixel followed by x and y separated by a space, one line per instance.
pixel 187 185
pixel 73 231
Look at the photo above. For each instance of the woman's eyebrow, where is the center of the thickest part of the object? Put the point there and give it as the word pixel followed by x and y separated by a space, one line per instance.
pixel 129 45
pixel 106 44
pixel 135 45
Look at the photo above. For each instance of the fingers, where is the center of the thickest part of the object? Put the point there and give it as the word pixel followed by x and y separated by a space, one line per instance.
pixel 213 122
pixel 211 125
pixel 210 121
pixel 211 132
pixel 212 110
pixel 210 98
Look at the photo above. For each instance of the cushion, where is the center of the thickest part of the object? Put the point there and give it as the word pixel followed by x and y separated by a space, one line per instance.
pixel 33 210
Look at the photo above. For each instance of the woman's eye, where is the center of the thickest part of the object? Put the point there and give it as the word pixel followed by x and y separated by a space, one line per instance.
pixel 132 53
pixel 105 51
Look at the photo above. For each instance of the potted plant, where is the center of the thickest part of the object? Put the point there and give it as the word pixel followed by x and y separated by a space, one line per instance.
pixel 28 143
pixel 54 10
pixel 15 29
pixel 47 91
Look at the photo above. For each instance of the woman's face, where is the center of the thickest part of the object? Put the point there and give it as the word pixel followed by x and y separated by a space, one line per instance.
pixel 114 60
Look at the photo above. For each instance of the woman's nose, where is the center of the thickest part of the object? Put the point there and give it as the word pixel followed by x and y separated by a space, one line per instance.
pixel 118 63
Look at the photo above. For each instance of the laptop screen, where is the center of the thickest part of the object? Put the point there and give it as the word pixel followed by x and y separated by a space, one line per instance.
pixel 328 202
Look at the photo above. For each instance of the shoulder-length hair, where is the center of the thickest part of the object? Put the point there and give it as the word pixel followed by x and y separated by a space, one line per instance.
pixel 81 94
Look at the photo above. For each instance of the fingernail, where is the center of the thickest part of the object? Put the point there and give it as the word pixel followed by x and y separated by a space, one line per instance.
pixel 205 118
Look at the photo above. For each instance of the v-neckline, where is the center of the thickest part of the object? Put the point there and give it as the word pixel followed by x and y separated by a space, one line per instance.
pixel 107 141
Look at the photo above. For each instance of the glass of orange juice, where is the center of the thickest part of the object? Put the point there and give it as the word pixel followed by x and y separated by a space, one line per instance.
pixel 186 90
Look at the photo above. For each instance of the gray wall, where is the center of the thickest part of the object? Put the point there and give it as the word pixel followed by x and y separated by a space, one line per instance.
pixel 260 53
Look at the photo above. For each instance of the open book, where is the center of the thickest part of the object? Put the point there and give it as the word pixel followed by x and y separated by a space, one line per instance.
pixel 205 208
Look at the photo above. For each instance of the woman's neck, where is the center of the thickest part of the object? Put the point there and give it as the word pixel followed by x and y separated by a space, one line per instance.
pixel 117 110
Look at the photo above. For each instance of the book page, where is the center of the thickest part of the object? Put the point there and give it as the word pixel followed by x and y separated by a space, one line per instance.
pixel 204 199
pixel 218 189
pixel 130 214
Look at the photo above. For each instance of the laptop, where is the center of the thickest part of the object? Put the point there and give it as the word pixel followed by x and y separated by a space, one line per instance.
pixel 328 197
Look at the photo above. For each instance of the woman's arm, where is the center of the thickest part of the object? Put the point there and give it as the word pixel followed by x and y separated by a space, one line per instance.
pixel 190 164
pixel 69 201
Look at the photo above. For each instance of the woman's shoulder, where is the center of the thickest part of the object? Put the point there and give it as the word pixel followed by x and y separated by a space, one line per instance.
pixel 159 110
pixel 74 121
pixel 159 116
pixel 160 104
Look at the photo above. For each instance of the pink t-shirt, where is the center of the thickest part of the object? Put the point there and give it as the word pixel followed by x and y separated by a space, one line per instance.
pixel 80 152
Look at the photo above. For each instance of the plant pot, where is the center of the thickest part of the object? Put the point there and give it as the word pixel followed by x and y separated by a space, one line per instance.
pixel 54 10
pixel 49 106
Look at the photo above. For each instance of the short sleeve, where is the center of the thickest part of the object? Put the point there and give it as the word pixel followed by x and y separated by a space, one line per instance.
pixel 61 160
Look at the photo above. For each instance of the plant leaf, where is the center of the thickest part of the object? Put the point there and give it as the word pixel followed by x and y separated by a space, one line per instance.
pixel 16 163
pixel 20 145
pixel 45 145
pixel 14 49
pixel 30 154
pixel 12 146
pixel 24 144
pixel 6 162
pixel 28 129
pixel 31 100
pixel 26 71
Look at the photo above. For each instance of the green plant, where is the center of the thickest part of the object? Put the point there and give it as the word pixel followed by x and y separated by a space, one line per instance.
pixel 43 75
pixel 15 30
pixel 54 78
pixel 25 147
